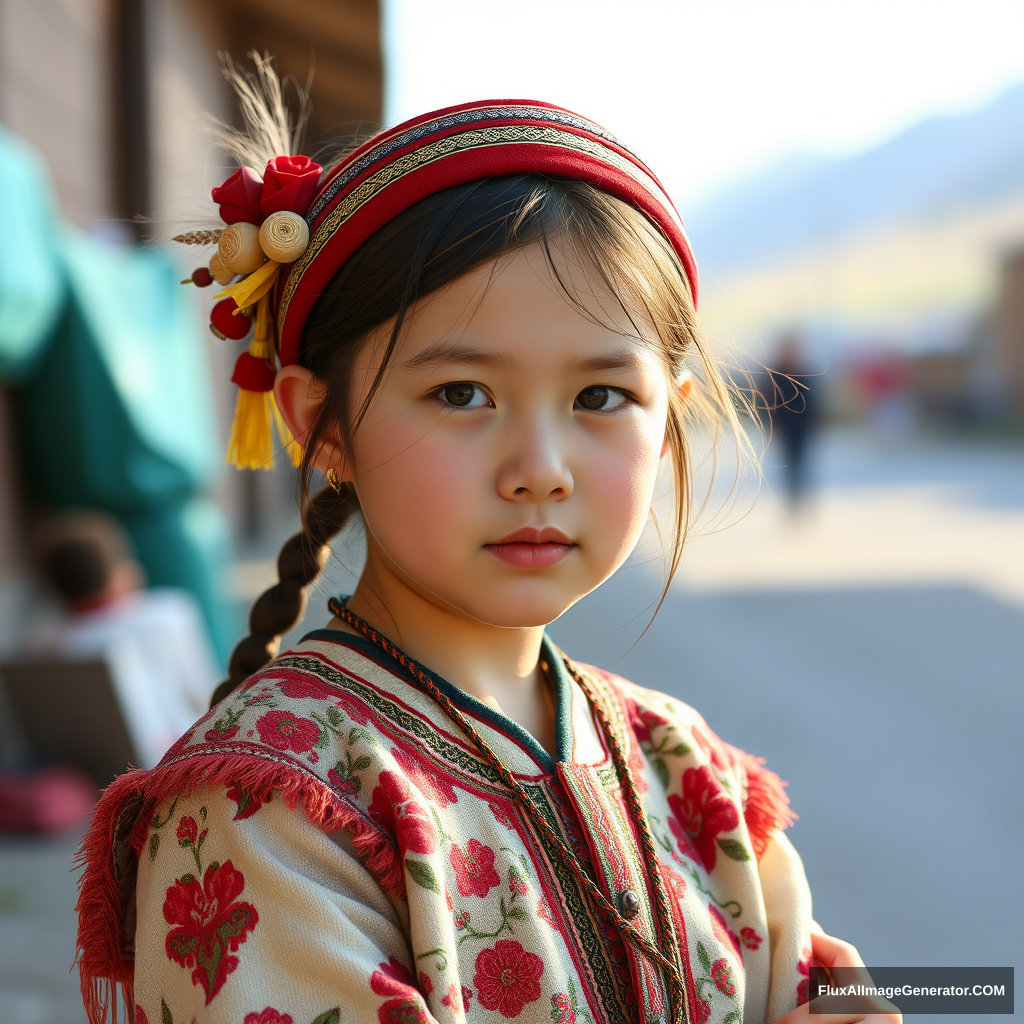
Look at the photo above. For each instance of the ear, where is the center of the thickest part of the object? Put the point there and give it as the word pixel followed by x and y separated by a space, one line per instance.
pixel 299 395
pixel 683 386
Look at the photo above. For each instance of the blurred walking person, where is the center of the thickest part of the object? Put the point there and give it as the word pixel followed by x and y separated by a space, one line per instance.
pixel 790 396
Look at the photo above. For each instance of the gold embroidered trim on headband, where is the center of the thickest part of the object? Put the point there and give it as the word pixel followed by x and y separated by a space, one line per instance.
pixel 490 136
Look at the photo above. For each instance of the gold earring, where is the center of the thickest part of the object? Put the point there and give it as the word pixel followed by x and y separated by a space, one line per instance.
pixel 332 480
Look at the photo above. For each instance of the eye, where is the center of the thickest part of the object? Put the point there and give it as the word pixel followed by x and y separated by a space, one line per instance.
pixel 463 395
pixel 600 399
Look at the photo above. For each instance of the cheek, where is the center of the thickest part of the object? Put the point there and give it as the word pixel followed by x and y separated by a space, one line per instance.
pixel 420 494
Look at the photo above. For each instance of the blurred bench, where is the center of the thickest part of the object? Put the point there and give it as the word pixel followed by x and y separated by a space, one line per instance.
pixel 66 713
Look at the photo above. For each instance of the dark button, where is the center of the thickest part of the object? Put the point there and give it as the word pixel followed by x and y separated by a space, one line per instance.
pixel 628 904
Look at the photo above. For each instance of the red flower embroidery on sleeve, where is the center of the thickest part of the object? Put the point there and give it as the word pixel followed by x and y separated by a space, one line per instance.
pixel 435 786
pixel 644 722
pixel 701 814
pixel 725 935
pixel 474 869
pixel 394 808
pixel 284 731
pixel 248 803
pixel 405 1004
pixel 507 977
pixel 301 687
pixel 210 925
pixel 140 1015
pixel 268 1016
pixel 458 999
pixel 803 987
pixel 750 938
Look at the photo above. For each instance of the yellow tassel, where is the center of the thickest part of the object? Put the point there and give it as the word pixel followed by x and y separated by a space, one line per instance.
pixel 251 289
pixel 252 444
pixel 262 345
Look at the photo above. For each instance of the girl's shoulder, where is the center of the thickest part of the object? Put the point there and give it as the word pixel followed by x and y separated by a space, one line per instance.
pixel 677 742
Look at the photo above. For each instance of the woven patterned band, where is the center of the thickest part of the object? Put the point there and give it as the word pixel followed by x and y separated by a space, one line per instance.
pixel 397 168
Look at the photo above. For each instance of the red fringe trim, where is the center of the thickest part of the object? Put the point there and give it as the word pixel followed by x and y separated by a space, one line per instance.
pixel 766 809
pixel 105 959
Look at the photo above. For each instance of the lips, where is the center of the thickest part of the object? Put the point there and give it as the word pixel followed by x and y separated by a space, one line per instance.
pixel 530 548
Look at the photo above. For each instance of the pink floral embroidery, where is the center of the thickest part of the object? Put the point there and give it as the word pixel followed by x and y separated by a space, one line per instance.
pixel 474 869
pixel 284 731
pixel 562 1010
pixel 248 803
pixel 721 975
pixel 750 938
pixel 405 1004
pixel 725 935
pixel 458 999
pixel 701 813
pixel 712 747
pixel 544 913
pixel 394 809
pixel 644 722
pixel 432 784
pixel 221 735
pixel 210 925
pixel 502 815
pixel 303 688
pixel 804 967
pixel 507 977
pixel 268 1016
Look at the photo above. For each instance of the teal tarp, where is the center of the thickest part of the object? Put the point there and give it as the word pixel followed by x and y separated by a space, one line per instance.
pixel 31 285
pixel 113 397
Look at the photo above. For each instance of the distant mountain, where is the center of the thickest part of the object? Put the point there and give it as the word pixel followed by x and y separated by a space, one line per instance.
pixel 941 167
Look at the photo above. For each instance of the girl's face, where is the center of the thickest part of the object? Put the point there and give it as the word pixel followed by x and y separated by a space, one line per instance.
pixel 507 463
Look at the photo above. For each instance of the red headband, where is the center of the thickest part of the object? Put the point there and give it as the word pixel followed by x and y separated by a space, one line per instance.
pixel 397 168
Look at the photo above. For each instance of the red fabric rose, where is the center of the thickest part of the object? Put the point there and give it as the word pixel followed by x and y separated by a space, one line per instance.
pixel 435 786
pixel 209 924
pixel 284 731
pixel 701 813
pixel 394 808
pixel 474 869
pixel 507 977
pixel 239 197
pixel 289 183
pixel 268 1016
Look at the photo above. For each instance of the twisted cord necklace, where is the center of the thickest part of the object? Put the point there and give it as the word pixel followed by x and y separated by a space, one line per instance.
pixel 663 912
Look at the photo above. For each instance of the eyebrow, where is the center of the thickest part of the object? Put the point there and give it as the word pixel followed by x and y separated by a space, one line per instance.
pixel 444 353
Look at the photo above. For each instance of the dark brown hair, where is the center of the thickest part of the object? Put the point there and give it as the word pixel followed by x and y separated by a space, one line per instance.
pixel 433 243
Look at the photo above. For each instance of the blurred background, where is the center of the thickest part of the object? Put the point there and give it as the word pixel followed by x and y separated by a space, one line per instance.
pixel 852 179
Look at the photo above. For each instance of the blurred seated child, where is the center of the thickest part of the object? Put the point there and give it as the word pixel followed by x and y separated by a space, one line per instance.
pixel 154 642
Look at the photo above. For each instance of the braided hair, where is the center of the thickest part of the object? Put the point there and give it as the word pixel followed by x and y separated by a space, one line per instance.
pixel 441 238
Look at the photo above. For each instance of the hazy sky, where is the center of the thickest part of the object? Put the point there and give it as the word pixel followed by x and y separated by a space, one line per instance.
pixel 710 91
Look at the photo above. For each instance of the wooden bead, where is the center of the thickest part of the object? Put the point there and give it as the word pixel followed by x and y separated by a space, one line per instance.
pixel 221 274
pixel 239 248
pixel 284 236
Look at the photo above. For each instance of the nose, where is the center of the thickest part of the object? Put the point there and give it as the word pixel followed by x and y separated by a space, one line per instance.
pixel 536 468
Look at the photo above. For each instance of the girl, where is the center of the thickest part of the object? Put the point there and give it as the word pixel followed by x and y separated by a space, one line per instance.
pixel 484 326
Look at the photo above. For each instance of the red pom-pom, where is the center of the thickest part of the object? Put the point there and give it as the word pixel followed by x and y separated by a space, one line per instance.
pixel 224 322
pixel 252 374
pixel 239 197
pixel 201 277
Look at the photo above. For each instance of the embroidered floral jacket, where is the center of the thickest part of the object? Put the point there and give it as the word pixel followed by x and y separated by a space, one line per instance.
pixel 326 847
